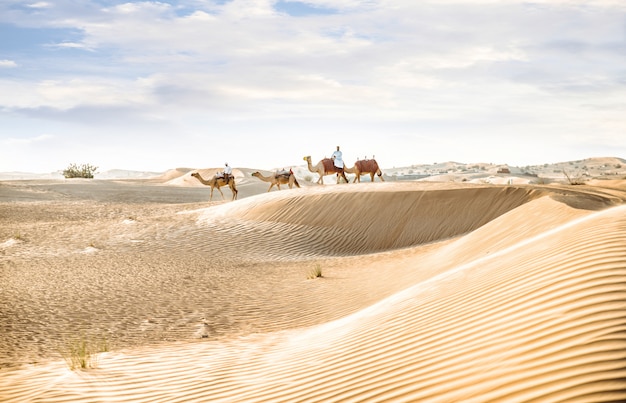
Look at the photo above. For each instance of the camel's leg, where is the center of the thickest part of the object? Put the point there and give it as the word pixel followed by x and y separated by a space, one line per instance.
pixel 211 196
pixel 372 176
pixel 234 191
pixel 343 175
pixel 222 193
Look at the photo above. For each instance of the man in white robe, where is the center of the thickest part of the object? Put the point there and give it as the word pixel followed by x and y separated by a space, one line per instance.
pixel 338 158
pixel 228 171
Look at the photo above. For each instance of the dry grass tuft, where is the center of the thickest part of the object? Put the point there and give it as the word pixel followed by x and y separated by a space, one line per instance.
pixel 315 272
pixel 82 352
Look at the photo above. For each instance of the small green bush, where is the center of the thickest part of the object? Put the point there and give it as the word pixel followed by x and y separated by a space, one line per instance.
pixel 80 171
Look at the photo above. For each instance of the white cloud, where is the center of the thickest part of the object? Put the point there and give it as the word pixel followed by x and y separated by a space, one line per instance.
pixel 40 4
pixel 70 45
pixel 73 93
pixel 448 70
pixel 28 140
pixel 7 63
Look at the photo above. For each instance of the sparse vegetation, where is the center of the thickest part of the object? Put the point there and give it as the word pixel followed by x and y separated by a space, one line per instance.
pixel 82 352
pixel 316 272
pixel 80 171
pixel 574 179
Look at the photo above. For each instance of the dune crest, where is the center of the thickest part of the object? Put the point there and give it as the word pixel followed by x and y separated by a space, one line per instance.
pixel 366 219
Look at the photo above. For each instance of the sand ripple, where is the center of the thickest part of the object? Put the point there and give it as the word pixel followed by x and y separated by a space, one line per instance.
pixel 477 294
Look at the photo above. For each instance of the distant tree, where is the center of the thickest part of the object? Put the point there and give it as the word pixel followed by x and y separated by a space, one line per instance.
pixel 80 171
pixel 574 179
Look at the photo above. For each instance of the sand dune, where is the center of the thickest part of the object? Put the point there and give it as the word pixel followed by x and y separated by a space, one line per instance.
pixel 438 292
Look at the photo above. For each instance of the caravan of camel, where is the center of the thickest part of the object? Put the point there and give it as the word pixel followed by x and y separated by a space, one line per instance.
pixel 287 177
pixel 361 167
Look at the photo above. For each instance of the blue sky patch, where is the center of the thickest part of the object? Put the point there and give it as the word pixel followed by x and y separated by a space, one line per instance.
pixel 17 40
pixel 300 9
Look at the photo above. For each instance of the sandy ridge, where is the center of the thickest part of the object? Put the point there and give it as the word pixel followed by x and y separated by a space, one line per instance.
pixel 478 334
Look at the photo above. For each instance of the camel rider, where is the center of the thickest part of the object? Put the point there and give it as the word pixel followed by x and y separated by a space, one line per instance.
pixel 337 158
pixel 228 171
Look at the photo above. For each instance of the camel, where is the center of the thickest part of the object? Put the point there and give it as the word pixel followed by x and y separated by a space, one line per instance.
pixel 325 167
pixel 279 178
pixel 366 166
pixel 217 182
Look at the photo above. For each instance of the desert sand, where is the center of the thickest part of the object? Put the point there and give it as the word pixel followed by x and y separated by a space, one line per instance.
pixel 430 291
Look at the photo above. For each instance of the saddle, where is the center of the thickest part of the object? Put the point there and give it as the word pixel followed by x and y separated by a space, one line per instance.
pixel 283 174
pixel 220 175
pixel 329 166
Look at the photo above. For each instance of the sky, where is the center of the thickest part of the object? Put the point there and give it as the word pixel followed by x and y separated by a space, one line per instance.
pixel 156 85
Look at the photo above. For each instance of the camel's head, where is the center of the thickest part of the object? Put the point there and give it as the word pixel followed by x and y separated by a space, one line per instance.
pixel 257 173
pixel 307 158
pixel 195 174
